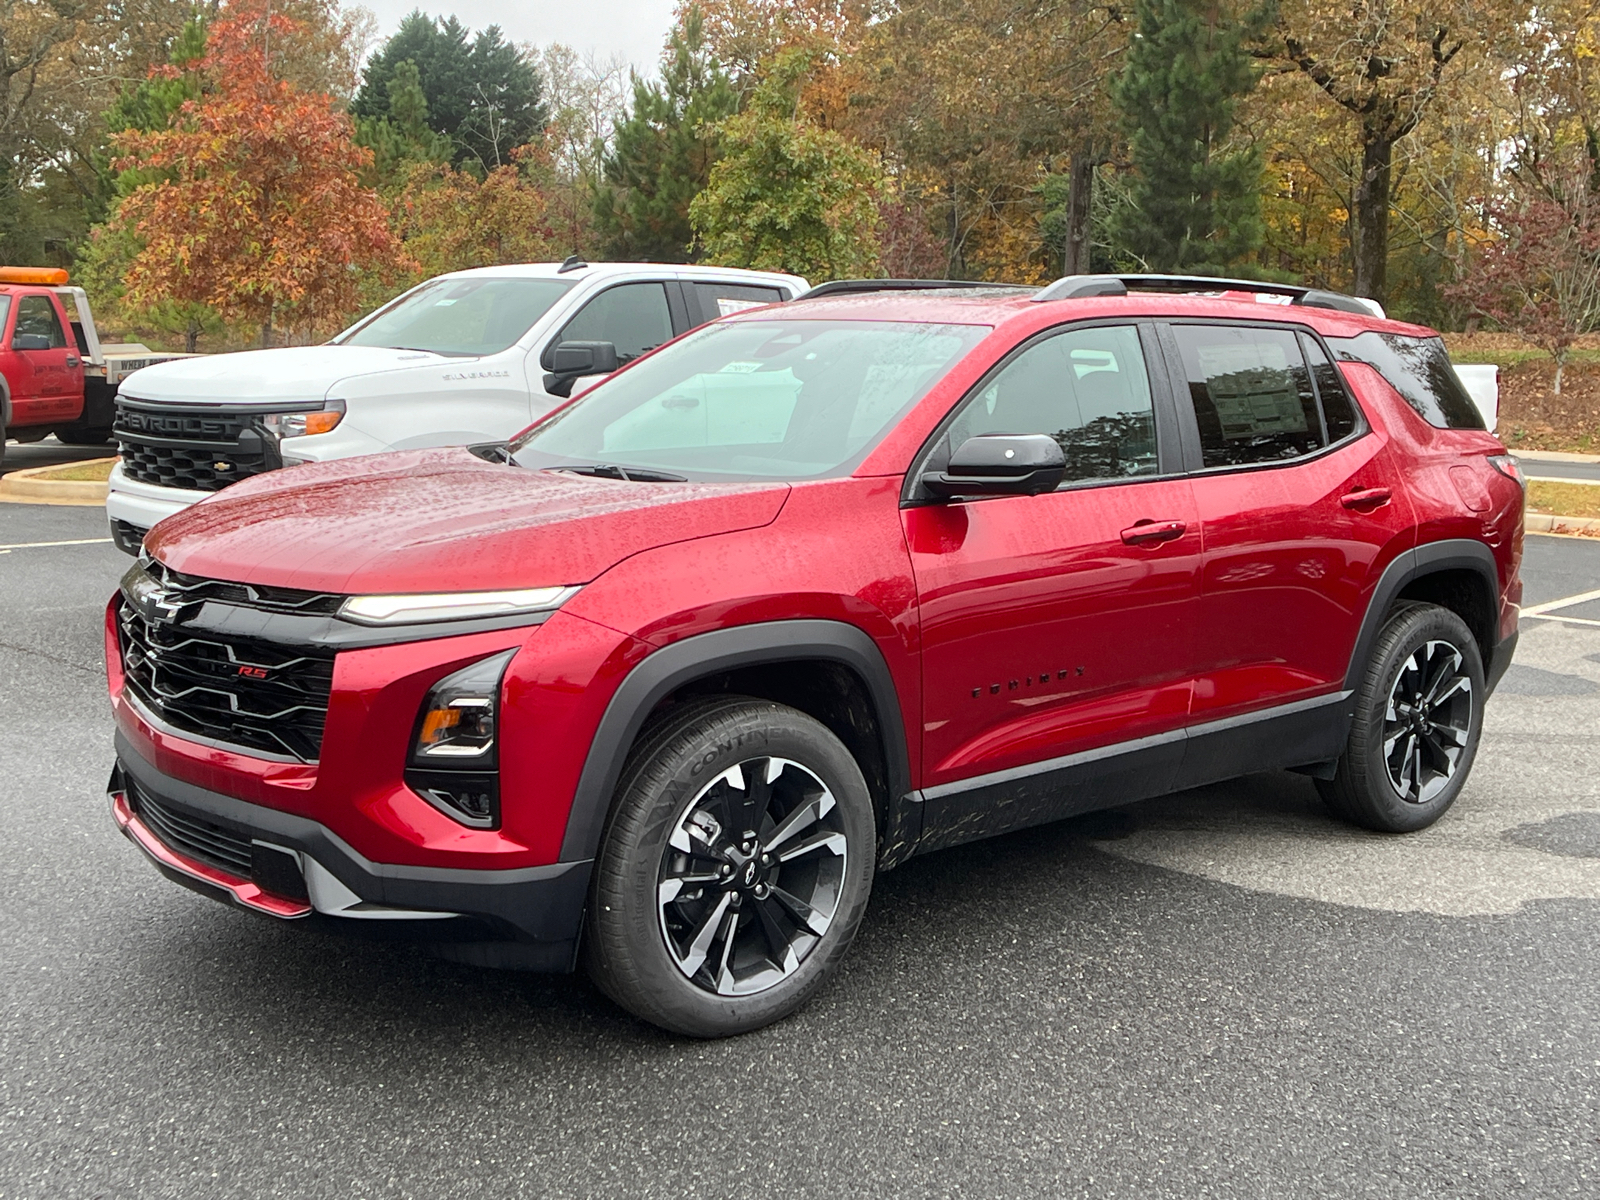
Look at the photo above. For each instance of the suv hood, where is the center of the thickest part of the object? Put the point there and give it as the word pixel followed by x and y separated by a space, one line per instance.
pixel 288 373
pixel 442 521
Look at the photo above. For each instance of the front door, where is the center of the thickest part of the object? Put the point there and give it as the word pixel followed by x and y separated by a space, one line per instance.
pixel 1302 509
pixel 1057 630
pixel 43 391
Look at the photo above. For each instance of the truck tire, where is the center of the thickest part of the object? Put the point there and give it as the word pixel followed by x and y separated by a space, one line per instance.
pixel 1418 720
pixel 735 870
pixel 72 435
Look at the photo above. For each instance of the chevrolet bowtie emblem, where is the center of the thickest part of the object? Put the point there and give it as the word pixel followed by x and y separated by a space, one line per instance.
pixel 222 466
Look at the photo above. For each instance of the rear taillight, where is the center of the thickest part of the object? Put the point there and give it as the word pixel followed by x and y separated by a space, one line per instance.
pixel 1509 467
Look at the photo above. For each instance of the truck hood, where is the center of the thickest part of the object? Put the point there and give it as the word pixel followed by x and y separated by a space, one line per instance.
pixel 442 521
pixel 289 373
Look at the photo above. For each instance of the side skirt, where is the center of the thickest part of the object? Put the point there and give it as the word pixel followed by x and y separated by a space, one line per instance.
pixel 1290 735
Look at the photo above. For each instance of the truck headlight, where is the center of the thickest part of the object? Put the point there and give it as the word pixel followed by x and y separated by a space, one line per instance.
pixel 409 607
pixel 454 759
pixel 303 424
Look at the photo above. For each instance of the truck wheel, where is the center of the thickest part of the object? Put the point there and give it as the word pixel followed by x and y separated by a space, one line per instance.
pixel 736 868
pixel 1418 719
pixel 71 436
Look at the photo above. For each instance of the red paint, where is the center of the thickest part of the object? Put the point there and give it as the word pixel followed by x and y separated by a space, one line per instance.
pixel 46 386
pixel 1014 629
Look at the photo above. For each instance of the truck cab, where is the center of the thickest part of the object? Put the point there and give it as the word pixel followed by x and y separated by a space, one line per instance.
pixel 56 375
pixel 472 356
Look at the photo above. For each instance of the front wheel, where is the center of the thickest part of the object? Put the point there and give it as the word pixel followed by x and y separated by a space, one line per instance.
pixel 1418 719
pixel 735 870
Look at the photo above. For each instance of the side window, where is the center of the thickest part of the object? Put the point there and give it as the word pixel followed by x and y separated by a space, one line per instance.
pixel 1338 411
pixel 1419 369
pixel 632 316
pixel 5 311
pixel 1252 394
pixel 725 299
pixel 37 316
pixel 1088 389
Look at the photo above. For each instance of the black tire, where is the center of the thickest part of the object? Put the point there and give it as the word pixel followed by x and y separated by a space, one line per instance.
pixel 651 904
pixel 1405 764
pixel 71 436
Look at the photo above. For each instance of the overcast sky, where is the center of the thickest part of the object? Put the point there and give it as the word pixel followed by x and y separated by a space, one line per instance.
pixel 635 29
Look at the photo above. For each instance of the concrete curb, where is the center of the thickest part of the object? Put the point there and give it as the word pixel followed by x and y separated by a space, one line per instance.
pixel 1555 456
pixel 26 487
pixel 1545 523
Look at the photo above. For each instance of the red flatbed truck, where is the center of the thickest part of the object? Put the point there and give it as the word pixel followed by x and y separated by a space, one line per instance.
pixel 56 376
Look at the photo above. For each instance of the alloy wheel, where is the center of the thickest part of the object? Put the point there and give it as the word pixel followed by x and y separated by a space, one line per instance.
pixel 1427 722
pixel 751 876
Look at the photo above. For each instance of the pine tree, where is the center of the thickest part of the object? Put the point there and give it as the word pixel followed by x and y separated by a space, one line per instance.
pixel 663 153
pixel 1194 199
pixel 482 93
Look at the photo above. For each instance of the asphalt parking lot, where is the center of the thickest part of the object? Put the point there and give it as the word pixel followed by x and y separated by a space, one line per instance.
pixel 1219 994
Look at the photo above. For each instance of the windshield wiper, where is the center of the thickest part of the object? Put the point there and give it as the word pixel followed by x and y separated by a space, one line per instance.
pixel 630 474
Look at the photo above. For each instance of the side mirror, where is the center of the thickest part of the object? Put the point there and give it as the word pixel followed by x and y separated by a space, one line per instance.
pixel 572 361
pixel 1001 464
pixel 30 341
pixel 584 358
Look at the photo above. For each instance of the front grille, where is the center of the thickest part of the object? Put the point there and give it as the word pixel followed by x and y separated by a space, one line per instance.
pixel 191 836
pixel 238 691
pixel 183 590
pixel 203 451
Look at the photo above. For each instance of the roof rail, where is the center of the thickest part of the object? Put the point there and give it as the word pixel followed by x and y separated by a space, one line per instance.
pixel 847 287
pixel 1074 287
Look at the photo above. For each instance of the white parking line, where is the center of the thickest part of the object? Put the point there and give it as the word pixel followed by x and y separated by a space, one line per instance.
pixel 41 545
pixel 1537 610
pixel 1563 620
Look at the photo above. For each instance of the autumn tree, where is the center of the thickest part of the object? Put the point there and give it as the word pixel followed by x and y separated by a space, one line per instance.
pixel 585 95
pixel 662 155
pixel 451 220
pixel 258 212
pixel 1384 65
pixel 1195 199
pixel 788 195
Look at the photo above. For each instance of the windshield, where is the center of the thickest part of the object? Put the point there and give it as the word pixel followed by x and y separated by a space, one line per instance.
pixel 781 399
pixel 460 317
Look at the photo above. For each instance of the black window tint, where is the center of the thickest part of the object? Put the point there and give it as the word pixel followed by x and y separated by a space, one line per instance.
pixel 1088 389
pixel 1338 411
pixel 1251 392
pixel 632 316
pixel 1419 369
pixel 36 315
pixel 725 299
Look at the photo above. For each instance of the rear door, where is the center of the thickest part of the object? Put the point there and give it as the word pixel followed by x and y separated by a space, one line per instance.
pixel 1302 510
pixel 1058 630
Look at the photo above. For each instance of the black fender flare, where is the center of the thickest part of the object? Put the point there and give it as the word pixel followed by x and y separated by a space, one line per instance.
pixel 682 662
pixel 1453 554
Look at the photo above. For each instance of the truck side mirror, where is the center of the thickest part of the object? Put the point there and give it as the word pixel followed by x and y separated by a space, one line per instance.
pixel 1001 464
pixel 572 361
pixel 30 341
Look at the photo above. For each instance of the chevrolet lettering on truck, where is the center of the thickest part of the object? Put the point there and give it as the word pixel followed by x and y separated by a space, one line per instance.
pixel 657 688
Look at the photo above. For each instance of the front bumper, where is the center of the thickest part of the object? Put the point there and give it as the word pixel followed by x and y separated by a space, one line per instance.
pixel 527 918
pixel 143 504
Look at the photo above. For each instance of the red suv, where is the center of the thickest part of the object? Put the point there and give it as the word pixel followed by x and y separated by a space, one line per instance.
pixel 663 683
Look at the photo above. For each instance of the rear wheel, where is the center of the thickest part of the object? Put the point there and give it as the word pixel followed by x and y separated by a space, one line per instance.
pixel 78 436
pixel 1418 719
pixel 735 871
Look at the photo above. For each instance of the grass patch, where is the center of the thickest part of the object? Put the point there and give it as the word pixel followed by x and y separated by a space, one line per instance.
pixel 89 472
pixel 1564 499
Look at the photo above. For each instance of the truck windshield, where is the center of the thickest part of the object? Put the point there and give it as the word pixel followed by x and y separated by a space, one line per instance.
pixel 780 399
pixel 460 317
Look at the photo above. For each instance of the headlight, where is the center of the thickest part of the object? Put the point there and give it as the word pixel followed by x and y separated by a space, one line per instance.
pixel 301 424
pixel 458 718
pixel 453 756
pixel 451 606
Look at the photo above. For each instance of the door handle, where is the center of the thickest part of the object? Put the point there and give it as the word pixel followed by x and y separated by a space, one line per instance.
pixel 72 361
pixel 1148 532
pixel 1365 499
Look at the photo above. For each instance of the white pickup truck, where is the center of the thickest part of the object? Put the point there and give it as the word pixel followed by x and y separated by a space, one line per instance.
pixel 472 356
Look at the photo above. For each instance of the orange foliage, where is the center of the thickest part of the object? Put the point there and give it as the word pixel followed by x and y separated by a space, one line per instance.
pixel 260 214
pixel 452 220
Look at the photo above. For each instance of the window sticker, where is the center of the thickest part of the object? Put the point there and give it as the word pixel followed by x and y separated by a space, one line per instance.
pixel 727 307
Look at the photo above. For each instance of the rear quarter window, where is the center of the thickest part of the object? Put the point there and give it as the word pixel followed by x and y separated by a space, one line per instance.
pixel 1419 369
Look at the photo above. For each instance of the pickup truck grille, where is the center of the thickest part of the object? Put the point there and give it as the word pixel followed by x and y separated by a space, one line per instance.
pixel 238 691
pixel 202 451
